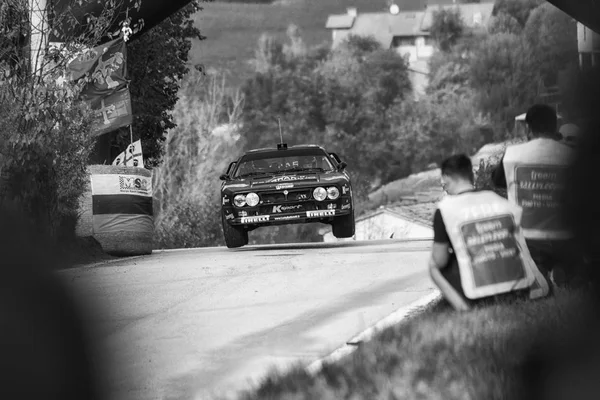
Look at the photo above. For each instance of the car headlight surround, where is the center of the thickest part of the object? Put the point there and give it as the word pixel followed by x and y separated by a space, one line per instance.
pixel 239 200
pixel 320 194
pixel 333 193
pixel 252 199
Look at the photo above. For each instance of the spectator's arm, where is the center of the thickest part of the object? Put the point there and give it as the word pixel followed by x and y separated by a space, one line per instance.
pixel 498 176
pixel 440 257
pixel 448 291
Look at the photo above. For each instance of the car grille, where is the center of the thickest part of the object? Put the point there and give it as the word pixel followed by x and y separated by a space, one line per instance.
pixel 293 196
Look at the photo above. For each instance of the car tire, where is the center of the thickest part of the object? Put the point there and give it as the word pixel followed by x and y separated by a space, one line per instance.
pixel 234 236
pixel 343 227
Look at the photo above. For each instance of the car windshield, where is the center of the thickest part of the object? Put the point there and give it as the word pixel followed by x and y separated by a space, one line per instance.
pixel 281 162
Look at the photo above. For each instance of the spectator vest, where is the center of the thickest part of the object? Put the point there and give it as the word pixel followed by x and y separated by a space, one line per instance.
pixel 535 180
pixel 492 256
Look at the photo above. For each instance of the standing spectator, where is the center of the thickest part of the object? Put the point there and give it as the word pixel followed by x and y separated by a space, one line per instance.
pixel 479 252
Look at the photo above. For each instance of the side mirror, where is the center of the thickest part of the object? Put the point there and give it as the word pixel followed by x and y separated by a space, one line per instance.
pixel 224 177
pixel 335 157
pixel 342 166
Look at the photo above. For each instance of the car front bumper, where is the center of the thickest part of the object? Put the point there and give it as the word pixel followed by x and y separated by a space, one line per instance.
pixel 283 218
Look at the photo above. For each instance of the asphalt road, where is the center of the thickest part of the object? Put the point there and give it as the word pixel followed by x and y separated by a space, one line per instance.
pixel 186 323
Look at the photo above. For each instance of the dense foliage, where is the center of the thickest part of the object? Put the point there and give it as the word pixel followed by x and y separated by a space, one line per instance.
pixel 44 128
pixel 156 62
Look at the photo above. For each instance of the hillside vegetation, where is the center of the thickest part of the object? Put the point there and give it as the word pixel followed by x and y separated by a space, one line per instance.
pixel 233 28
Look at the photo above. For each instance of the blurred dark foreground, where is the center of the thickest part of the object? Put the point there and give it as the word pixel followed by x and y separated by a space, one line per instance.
pixel 567 366
pixel 45 348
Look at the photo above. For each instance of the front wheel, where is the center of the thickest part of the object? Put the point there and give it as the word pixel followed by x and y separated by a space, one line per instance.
pixel 234 236
pixel 343 227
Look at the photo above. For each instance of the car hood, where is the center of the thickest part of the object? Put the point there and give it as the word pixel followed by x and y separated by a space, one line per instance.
pixel 286 180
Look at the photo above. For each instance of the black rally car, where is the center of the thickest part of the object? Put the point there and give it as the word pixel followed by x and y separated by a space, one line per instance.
pixel 282 185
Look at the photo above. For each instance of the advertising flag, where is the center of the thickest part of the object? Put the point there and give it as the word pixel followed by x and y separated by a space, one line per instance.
pixel 131 157
pixel 107 91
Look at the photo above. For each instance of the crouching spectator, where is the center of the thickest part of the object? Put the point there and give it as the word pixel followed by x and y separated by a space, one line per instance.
pixel 535 175
pixel 479 253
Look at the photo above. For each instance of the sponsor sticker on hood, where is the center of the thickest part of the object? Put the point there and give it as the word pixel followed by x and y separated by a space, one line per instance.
pixel 290 178
pixel 286 178
pixel 284 186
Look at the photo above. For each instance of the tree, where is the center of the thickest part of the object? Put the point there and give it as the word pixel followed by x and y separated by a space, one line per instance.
pixel 503 79
pixel 518 9
pixel 157 61
pixel 504 23
pixel 447 28
pixel 268 54
pixel 187 206
pixel 551 38
pixel 439 125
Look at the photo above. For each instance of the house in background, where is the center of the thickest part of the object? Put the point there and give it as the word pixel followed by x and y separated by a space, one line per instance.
pixel 408 32
pixel 397 221
pixel 588 43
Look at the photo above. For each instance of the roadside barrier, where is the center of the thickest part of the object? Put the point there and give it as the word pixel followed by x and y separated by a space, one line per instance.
pixel 117 210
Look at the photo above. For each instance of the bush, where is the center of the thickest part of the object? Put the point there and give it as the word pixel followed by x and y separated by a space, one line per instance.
pixel 190 223
pixel 45 148
pixel 483 177
pixel 186 186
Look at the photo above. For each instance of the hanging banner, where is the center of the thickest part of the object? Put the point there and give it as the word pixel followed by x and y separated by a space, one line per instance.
pixel 112 112
pixel 107 91
pixel 132 157
pixel 106 67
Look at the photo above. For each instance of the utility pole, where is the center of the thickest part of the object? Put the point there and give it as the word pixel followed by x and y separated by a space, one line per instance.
pixel 38 18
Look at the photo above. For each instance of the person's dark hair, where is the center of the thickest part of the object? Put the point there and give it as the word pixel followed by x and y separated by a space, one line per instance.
pixel 541 118
pixel 458 165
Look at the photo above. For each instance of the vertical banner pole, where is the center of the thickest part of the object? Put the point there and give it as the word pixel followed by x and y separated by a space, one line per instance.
pixel 130 145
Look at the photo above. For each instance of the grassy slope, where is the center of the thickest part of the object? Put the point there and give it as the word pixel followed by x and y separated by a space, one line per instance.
pixel 233 29
pixel 439 355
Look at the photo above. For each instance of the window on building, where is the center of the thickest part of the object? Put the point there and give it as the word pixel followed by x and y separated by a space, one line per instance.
pixel 403 41
pixel 586 60
pixel 429 41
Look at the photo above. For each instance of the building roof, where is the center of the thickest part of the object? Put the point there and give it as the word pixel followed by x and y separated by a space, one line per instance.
pixel 420 213
pixel 473 14
pixel 374 24
pixel 340 21
pixel 384 26
pixel 406 23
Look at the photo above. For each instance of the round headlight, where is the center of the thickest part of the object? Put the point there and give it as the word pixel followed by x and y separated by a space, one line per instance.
pixel 320 194
pixel 252 199
pixel 333 193
pixel 239 200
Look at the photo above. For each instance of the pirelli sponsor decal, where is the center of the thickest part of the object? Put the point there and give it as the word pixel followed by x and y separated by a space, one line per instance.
pixel 254 219
pixel 286 217
pixel 320 213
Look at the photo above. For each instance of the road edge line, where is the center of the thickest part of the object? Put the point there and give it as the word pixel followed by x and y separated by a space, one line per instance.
pixel 394 318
